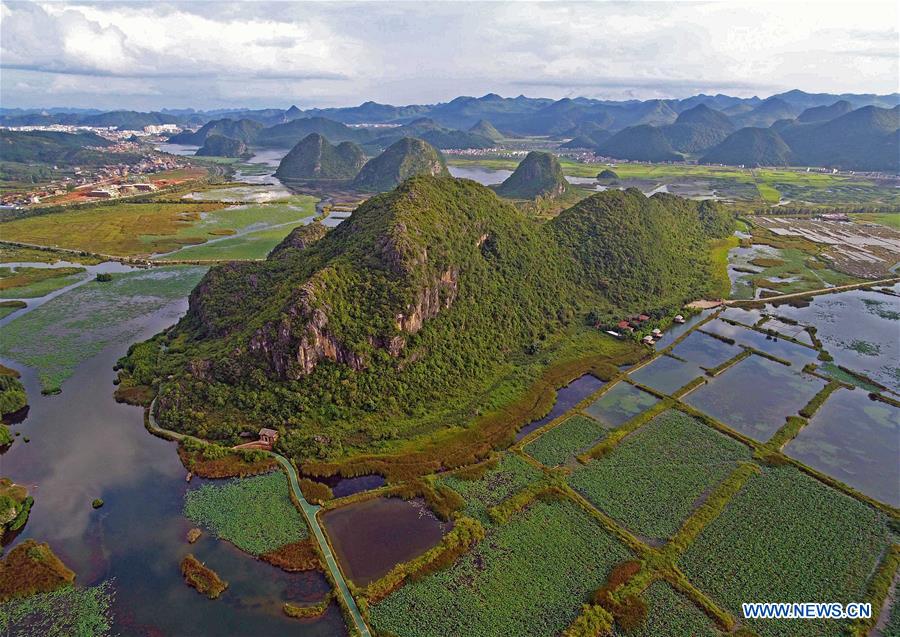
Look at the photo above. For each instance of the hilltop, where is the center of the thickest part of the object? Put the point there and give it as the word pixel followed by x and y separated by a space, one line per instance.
pixel 347 339
pixel 641 143
pixel 221 146
pixel 244 130
pixel 315 158
pixel 538 175
pixel 405 158
pixel 751 147
pixel 486 129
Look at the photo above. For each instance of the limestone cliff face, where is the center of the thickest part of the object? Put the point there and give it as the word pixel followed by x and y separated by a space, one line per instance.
pixel 429 302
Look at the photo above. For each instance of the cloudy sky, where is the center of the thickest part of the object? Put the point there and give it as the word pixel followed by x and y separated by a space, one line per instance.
pixel 210 54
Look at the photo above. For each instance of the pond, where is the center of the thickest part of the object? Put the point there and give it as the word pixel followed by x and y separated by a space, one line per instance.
pixel 342 487
pixel 620 404
pixel 83 445
pixel 755 396
pixel 666 374
pixel 859 328
pixel 797 355
pixel 856 440
pixel 484 176
pixel 566 398
pixel 704 350
pixel 372 536
pixel 677 329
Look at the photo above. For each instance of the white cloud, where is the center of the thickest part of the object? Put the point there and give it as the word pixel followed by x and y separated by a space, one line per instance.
pixel 215 53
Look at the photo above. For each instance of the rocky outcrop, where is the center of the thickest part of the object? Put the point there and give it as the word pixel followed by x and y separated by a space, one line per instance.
pixel 299 239
pixel 429 302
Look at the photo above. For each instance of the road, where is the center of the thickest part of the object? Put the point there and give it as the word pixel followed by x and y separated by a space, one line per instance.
pixel 309 512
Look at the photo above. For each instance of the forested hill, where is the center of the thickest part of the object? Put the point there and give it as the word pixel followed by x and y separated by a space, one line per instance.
pixel 419 298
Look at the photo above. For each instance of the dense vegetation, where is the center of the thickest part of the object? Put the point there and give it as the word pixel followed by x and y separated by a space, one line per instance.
pixel 29 568
pixel 315 158
pixel 652 479
pixel 221 146
pixel 492 484
pixel 64 612
pixel 199 576
pixel 405 158
pixel 529 572
pixel 538 175
pixel 751 147
pixel 255 514
pixel 12 394
pixel 643 143
pixel 405 308
pixel 785 536
pixel 565 440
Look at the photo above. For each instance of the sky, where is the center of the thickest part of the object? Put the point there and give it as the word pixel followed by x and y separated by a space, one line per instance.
pixel 212 54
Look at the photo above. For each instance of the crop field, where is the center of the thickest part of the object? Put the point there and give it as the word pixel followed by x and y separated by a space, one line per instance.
pixel 620 404
pixel 527 577
pixel 255 514
pixel 27 283
pixel 512 474
pixel 785 536
pixel 889 219
pixel 755 396
pixel 55 337
pixel 864 455
pixel 560 444
pixel 651 481
pixel 669 613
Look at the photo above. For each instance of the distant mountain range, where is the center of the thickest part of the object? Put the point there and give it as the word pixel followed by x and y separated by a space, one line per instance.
pixel 852 131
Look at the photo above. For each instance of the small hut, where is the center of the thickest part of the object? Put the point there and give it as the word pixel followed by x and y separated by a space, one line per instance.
pixel 268 436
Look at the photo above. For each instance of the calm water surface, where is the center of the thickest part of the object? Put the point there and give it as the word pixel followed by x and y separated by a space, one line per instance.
pixel 566 398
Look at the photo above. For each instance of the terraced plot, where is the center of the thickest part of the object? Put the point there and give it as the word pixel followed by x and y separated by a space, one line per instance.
pixel 527 577
pixel 755 396
pixel 653 479
pixel 620 404
pixel 856 440
pixel 786 536
pixel 666 374
pixel 560 444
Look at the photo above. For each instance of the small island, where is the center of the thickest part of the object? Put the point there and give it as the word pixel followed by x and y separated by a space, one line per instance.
pixel 204 579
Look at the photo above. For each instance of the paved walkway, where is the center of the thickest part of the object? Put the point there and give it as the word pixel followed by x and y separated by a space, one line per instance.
pixel 309 511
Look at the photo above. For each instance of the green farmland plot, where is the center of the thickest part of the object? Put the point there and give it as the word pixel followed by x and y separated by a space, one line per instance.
pixel 651 481
pixel 787 537
pixel 527 577
pixel 561 443
pixel 669 613
pixel 512 474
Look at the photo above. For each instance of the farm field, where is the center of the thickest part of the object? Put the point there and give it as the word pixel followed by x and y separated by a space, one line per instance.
pixel 670 613
pixel 510 475
pixel 55 337
pixel 769 544
pixel 560 444
pixel 651 481
pixel 889 219
pixel 245 247
pixel 24 282
pixel 864 455
pixel 255 514
pixel 620 404
pixel 755 396
pixel 527 577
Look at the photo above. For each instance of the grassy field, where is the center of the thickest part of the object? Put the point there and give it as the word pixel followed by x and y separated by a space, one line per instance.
pixel 28 283
pixel 560 444
pixel 719 249
pixel 78 324
pixel 511 474
pixel 651 481
pixel 255 514
pixel 787 537
pixel 142 229
pixel 8 307
pixel 889 219
pixel 253 245
pixel 527 577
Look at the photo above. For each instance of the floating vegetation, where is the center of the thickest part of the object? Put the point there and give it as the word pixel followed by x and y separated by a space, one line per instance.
pixel 652 479
pixel 61 613
pixel 769 544
pixel 560 444
pixel 865 348
pixel 255 514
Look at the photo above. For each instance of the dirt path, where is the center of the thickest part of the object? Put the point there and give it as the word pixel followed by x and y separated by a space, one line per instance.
pixel 794 295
